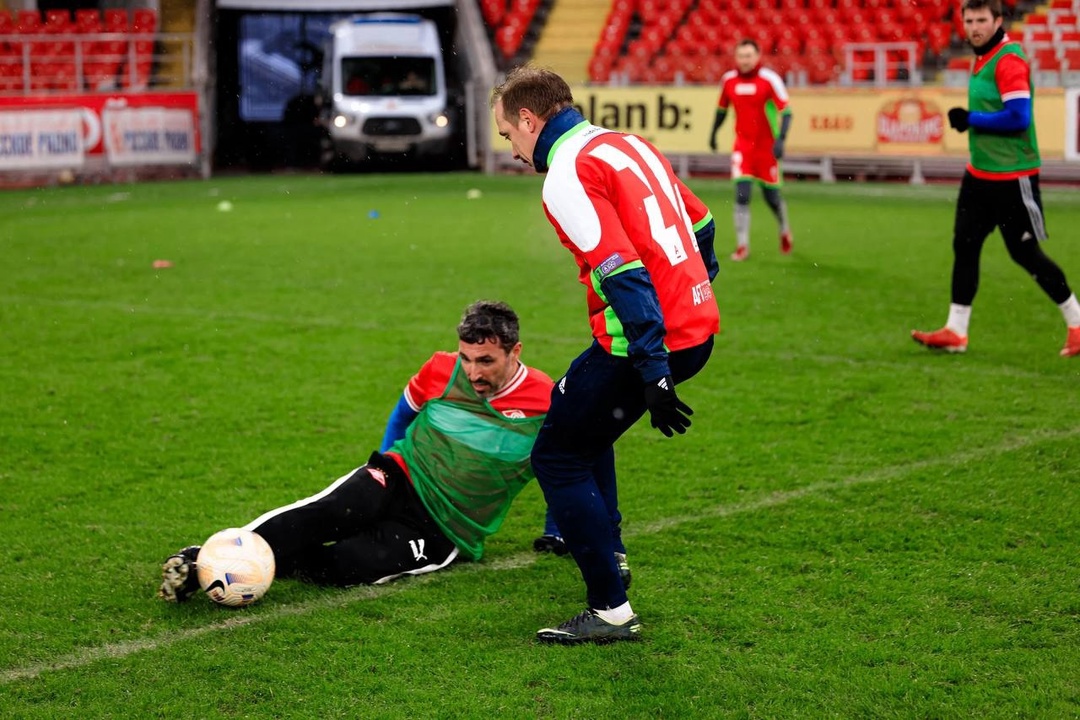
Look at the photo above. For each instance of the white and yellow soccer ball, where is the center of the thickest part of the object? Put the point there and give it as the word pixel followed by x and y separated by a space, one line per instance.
pixel 235 567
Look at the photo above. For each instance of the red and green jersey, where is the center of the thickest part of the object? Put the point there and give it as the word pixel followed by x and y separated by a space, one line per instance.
pixel 616 204
pixel 468 456
pixel 526 393
pixel 1001 75
pixel 758 98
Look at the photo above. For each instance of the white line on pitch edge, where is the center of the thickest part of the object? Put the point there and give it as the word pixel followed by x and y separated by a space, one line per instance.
pixel 335 600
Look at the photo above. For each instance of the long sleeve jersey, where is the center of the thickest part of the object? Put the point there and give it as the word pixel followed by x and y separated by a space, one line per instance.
pixel 634 230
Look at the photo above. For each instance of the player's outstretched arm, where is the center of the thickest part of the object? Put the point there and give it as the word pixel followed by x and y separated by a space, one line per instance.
pixel 397 423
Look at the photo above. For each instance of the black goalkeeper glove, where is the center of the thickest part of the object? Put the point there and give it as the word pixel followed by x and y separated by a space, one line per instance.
pixel 778 148
pixel 958 119
pixel 669 414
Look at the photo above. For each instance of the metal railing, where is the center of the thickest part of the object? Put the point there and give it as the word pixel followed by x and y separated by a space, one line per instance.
pixel 95 62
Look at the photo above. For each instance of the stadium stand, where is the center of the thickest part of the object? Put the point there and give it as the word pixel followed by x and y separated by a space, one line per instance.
pixel 810 42
pixel 60 51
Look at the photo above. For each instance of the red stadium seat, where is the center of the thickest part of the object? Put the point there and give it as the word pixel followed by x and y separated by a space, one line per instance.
pixel 1046 59
pixel 788 42
pixel 837 35
pixel 11 66
pixel 88 21
pixel 1071 58
pixel 599 70
pixel 57 57
pixel 938 37
pixel 29 22
pixel 817 46
pixel 493 11
pixel 820 70
pixel 508 39
pixel 1038 38
pixel 143 21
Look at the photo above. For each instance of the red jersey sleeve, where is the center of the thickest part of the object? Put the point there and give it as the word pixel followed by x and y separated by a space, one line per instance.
pixel 430 380
pixel 1011 76
pixel 725 98
pixel 696 209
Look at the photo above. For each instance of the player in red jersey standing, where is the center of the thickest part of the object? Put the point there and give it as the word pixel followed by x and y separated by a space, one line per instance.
pixel 455 454
pixel 762 119
pixel 643 244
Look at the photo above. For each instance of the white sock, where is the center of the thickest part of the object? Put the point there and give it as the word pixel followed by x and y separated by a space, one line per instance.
pixel 959 315
pixel 1070 309
pixel 616 616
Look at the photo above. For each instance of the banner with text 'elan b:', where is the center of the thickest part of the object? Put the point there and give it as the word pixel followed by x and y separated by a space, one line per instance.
pixel 909 121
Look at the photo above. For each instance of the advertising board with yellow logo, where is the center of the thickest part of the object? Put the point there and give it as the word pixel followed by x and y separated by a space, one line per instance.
pixel 909 121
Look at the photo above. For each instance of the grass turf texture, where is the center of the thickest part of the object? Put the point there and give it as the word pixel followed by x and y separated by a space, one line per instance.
pixel 853 527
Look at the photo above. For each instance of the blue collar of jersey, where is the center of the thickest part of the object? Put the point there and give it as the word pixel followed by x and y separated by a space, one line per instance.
pixel 559 126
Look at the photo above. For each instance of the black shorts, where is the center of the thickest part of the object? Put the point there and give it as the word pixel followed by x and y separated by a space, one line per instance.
pixel 368 527
pixel 1014 206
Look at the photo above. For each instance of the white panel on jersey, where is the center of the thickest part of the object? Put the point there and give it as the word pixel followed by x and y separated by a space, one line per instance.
pixel 776 81
pixel 564 194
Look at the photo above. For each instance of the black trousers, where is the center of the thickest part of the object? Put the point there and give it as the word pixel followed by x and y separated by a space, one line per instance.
pixel 600 398
pixel 1015 207
pixel 368 527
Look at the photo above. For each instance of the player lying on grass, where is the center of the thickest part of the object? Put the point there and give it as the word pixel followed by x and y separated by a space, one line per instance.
pixel 454 456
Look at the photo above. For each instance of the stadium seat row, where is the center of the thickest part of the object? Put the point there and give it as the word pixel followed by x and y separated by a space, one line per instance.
pixel 667 40
pixel 509 22
pixel 95 50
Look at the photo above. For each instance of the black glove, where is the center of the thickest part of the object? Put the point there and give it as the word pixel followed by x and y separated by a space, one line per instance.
pixel 958 119
pixel 712 142
pixel 778 148
pixel 669 414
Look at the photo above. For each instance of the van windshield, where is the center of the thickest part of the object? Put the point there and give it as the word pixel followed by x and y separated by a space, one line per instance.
pixel 388 76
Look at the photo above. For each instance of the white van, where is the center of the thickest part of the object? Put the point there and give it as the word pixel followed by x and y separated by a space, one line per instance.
pixel 384 87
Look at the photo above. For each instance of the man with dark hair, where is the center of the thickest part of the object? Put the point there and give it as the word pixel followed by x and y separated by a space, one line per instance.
pixel 762 119
pixel 1000 187
pixel 643 244
pixel 454 456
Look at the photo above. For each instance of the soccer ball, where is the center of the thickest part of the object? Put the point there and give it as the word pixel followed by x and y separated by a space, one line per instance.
pixel 235 567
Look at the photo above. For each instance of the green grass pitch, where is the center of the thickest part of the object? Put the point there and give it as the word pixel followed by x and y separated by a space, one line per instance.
pixel 852 528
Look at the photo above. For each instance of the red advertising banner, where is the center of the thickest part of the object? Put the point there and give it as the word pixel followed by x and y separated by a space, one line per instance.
pixel 126 128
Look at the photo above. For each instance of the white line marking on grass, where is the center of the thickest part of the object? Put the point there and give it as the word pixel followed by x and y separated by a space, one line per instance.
pixel 121 650
pixel 932 364
pixel 135 309
pixel 876 476
pixel 330 322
